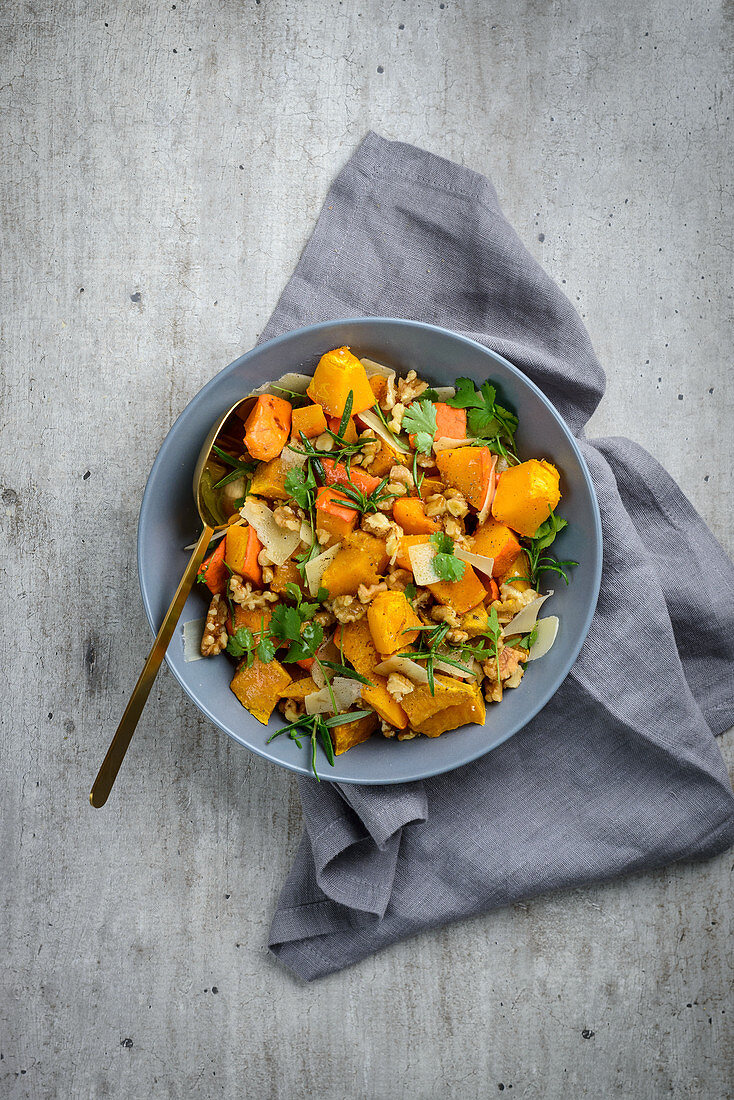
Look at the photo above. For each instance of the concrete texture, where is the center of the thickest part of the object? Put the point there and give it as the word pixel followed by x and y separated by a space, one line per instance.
pixel 163 165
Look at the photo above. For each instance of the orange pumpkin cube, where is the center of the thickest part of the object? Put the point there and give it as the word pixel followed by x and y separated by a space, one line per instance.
pixel 461 595
pixel 467 469
pixel 331 515
pixel 498 542
pixel 267 427
pixel 310 420
pixel 526 495
pixel 337 373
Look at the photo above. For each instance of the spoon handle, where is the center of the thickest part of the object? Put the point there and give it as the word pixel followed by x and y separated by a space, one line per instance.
pixel 123 735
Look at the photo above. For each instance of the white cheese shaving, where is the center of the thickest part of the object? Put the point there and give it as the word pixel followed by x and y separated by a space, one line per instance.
pixel 306 533
pixel 547 629
pixel 477 561
pixel 443 393
pixel 372 420
pixel 526 619
pixel 371 368
pixel 279 543
pixel 193 632
pixel 292 460
pixel 488 493
pixel 299 383
pixel 445 443
pixel 405 666
pixel 468 672
pixel 346 692
pixel 421 562
pixel 316 568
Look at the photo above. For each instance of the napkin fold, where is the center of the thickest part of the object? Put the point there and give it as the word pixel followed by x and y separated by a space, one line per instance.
pixel 620 771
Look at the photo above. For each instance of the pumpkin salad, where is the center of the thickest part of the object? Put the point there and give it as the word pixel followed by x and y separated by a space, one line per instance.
pixel 381 566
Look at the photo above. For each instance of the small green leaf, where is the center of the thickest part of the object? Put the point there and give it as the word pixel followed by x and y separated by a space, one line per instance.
pixel 419 419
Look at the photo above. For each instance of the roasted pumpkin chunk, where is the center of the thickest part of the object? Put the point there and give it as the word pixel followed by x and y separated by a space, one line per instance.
pixel 339 372
pixel 257 687
pixel 526 495
pixel 269 480
pixel 353 733
pixel 350 568
pixel 356 641
pixel 392 621
pixel 454 703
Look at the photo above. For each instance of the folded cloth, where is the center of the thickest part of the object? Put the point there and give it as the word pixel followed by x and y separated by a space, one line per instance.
pixel 620 771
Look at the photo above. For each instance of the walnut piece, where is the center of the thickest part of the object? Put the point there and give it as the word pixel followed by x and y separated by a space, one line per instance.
pixel 214 638
pixel 375 523
pixel 442 613
pixel 401 474
pixel 410 387
pixel 347 609
pixel 286 518
pixel 399 579
pixel 367 592
pixel 398 412
pixel 399 686
pixel 248 597
pixel 435 505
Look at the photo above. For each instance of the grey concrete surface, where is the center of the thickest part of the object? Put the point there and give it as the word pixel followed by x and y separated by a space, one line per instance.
pixel 162 167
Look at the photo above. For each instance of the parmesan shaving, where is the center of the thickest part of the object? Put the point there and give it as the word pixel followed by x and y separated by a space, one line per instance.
pixel 299 383
pixel 346 692
pixel 421 562
pixel 489 493
pixel 372 420
pixel 526 619
pixel 316 568
pixel 278 542
pixel 468 672
pixel 371 368
pixel 192 633
pixel 445 443
pixel 477 561
pixel 405 666
pixel 547 629
pixel 306 533
pixel 444 392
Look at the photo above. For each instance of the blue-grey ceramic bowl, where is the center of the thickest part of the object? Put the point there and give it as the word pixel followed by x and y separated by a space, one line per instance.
pixel 169 521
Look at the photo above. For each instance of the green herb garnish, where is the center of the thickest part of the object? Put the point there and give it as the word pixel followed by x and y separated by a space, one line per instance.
pixel 485 419
pixel 419 419
pixel 316 727
pixel 541 540
pixel 445 563
pixel 366 502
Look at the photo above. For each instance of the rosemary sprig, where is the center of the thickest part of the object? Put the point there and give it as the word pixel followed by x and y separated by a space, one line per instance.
pixel 316 727
pixel 366 502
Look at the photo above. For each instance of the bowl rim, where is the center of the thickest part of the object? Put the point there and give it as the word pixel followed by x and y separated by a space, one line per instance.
pixel 469 756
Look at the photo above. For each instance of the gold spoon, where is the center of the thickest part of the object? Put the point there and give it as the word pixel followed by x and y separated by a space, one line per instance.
pixel 123 735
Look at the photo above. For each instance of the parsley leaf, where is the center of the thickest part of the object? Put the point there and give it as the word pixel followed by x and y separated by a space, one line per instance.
pixel 241 643
pixel 410 591
pixel 541 540
pixel 266 650
pixel 420 420
pixel 547 531
pixel 485 419
pixel 322 594
pixel 285 623
pixel 308 641
pixel 447 566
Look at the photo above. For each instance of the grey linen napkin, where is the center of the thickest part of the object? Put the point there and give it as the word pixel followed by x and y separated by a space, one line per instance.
pixel 621 770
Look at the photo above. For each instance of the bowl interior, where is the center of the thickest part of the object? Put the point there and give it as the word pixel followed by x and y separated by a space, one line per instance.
pixel 168 522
